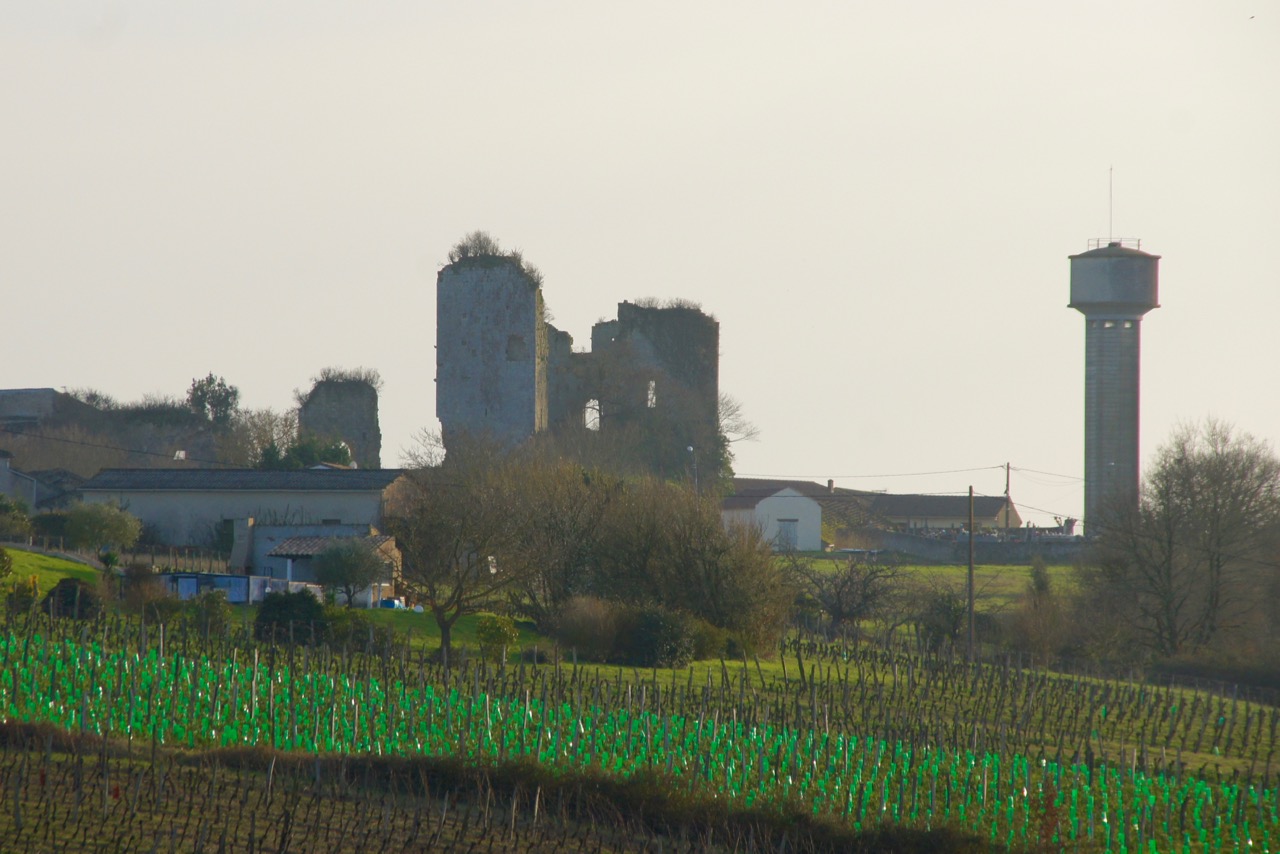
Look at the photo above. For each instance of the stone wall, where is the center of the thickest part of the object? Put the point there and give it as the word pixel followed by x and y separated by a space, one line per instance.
pixel 346 410
pixel 491 351
pixel 1017 552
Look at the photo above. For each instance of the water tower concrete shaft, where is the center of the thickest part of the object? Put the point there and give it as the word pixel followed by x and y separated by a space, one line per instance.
pixel 1113 286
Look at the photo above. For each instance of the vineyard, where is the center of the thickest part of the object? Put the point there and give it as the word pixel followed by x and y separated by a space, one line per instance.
pixel 827 740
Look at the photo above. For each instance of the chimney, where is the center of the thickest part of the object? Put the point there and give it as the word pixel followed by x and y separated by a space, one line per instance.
pixel 831 486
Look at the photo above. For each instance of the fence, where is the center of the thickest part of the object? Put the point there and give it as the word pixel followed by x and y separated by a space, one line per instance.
pixel 169 557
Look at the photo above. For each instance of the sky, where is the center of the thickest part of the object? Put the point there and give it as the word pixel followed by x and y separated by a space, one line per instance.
pixel 875 199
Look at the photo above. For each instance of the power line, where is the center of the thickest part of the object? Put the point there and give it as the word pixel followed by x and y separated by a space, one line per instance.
pixel 1051 474
pixel 868 476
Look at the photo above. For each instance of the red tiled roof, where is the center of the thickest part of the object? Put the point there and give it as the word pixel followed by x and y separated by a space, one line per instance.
pixel 312 546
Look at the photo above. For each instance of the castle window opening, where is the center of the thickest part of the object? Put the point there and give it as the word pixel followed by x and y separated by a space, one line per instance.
pixel 591 415
pixel 652 400
pixel 517 349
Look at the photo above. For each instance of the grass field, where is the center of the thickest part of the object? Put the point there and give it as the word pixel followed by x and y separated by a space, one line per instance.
pixel 48 570
pixel 995 587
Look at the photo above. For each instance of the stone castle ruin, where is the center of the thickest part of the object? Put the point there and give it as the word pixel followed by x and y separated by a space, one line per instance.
pixel 503 370
pixel 343 405
pixel 45 429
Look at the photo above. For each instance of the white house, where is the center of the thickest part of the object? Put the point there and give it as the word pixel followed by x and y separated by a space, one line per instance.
pixel 787 517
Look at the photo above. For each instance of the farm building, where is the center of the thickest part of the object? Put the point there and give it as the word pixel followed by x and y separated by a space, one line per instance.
pixel 190 506
pixel 786 516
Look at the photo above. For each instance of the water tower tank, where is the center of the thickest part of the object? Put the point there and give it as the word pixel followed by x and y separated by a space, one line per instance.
pixel 1113 285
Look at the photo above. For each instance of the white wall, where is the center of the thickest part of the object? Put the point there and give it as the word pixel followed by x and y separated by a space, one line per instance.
pixel 784 504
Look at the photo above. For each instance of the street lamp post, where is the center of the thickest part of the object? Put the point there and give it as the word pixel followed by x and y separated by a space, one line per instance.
pixel 694 453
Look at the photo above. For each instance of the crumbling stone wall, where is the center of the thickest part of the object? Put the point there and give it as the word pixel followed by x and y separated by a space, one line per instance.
pixel 47 429
pixel 345 410
pixel 671 356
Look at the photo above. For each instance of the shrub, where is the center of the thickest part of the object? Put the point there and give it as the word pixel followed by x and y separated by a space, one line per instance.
pixel 940 619
pixel 74 598
pixel 496 633
pixel 14 519
pixel 587 625
pixel 284 615
pixel 101 527
pixel 140 588
pixel 736 646
pixel 652 636
pixel 164 610
pixel 52 524
pixel 209 613
pixel 708 641
pixel 353 629
pixel 22 597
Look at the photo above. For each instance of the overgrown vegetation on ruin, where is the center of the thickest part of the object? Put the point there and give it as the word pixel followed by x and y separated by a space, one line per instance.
pixel 479 249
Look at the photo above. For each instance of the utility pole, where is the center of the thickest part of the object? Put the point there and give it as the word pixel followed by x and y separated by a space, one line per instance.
pixel 970 574
pixel 1008 505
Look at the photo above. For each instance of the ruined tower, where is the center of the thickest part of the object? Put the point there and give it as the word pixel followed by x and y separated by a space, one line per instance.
pixel 1113 285
pixel 647 391
pixel 345 407
pixel 660 357
pixel 491 350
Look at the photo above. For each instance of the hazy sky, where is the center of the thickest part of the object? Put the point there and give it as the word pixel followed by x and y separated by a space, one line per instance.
pixel 876 200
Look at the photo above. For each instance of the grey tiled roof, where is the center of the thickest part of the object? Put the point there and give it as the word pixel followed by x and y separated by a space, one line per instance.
pixel 241 480
pixel 750 491
pixel 924 506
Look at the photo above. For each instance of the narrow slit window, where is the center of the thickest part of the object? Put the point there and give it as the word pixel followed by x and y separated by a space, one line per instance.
pixel 652 400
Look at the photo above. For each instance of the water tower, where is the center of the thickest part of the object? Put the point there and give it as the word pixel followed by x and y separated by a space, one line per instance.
pixel 1113 285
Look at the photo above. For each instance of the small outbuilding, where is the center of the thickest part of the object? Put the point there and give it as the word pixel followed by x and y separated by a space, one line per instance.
pixel 786 517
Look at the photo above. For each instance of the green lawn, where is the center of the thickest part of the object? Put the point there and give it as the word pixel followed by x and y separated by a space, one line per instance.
pixel 996 588
pixel 46 569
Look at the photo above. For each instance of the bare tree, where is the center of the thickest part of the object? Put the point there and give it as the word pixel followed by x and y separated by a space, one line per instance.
pixel 452 522
pixel 559 508
pixel 1193 555
pixel 850 591
pixel 734 426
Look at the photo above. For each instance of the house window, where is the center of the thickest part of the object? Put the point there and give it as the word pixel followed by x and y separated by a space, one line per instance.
pixel 591 415
pixel 652 400
pixel 787 536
